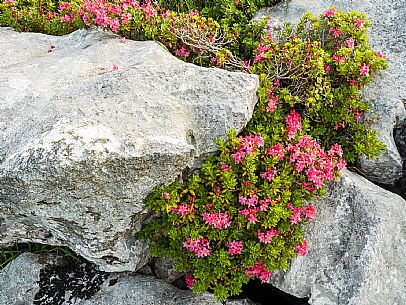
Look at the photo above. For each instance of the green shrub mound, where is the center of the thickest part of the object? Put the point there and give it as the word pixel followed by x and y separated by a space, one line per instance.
pixel 242 216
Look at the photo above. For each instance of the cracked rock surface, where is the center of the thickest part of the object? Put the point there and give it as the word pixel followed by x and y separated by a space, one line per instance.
pixel 82 144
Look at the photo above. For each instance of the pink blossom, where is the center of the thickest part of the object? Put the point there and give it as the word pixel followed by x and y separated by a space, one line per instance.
pixel 338 58
pixel 65 18
pixel 199 246
pixel 339 125
pixel 293 122
pixel 277 83
pixel 183 210
pixel 341 164
pixel 115 67
pixel 225 167
pixel 217 220
pixel 327 69
pixel 272 102
pixel 190 280
pixel 364 69
pixel 62 6
pixel 11 2
pixel 235 247
pixel 166 196
pixel 308 212
pixel 277 150
pixel 258 270
pixel 266 237
pixel 302 248
pixel 335 32
pixel 335 150
pixel 359 22
pixel 296 216
pixel 250 214
pixel 269 174
pixel 252 201
pixel 330 13
pixel 182 52
pixel 350 43
pixel 379 54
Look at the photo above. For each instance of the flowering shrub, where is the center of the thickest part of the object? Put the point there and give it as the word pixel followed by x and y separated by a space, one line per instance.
pixel 242 216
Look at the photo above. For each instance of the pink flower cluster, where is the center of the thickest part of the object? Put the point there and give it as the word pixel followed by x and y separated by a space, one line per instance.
pixel 258 270
pixel 261 49
pixel 277 150
pixel 308 212
pixel 272 101
pixel 248 146
pixel 269 174
pixel 190 280
pixel 266 237
pixel 302 248
pixel 200 246
pixel 309 156
pixel 235 247
pixel 293 123
pixel 183 210
pixel 217 220
pixel 335 32
pixel 105 14
pixel 330 13
pixel 225 167
pixel 350 43
pixel 250 213
pixel 339 58
pixel 182 52
pixel 364 69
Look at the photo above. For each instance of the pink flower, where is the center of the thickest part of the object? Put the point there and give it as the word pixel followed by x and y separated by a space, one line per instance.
pixel 258 270
pixel 190 280
pixel 293 122
pixel 379 54
pixel 335 32
pixel 330 13
pixel 327 69
pixel 183 210
pixel 277 83
pixel 296 216
pixel 63 6
pixel 338 58
pixel 115 67
pixel 182 52
pixel 65 18
pixel 359 22
pixel 266 237
pixel 272 102
pixel 309 212
pixel 235 247
pixel 199 246
pixel 350 43
pixel 364 69
pixel 225 167
pixel 11 2
pixel 277 150
pixel 302 248
pixel 269 174
pixel 166 196
pixel 217 220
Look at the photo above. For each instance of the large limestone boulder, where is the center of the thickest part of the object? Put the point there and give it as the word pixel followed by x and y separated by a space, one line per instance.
pixel 357 248
pixel 82 144
pixel 386 94
pixel 33 279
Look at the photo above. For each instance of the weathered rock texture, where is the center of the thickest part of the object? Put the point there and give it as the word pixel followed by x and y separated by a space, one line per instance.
pixel 386 93
pixel 33 279
pixel 81 144
pixel 357 248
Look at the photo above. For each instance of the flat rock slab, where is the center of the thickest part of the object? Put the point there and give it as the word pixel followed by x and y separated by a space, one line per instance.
pixel 386 94
pixel 89 125
pixel 33 279
pixel 357 248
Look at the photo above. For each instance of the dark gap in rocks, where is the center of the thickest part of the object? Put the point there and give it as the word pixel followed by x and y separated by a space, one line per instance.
pixel 261 294
pixel 266 294
pixel 60 284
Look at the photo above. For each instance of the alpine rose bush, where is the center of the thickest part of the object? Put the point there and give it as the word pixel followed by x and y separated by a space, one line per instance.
pixel 241 217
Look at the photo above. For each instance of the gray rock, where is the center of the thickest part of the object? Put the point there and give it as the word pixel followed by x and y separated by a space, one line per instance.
pixel 386 93
pixel 357 245
pixel 82 144
pixel 164 270
pixel 39 279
